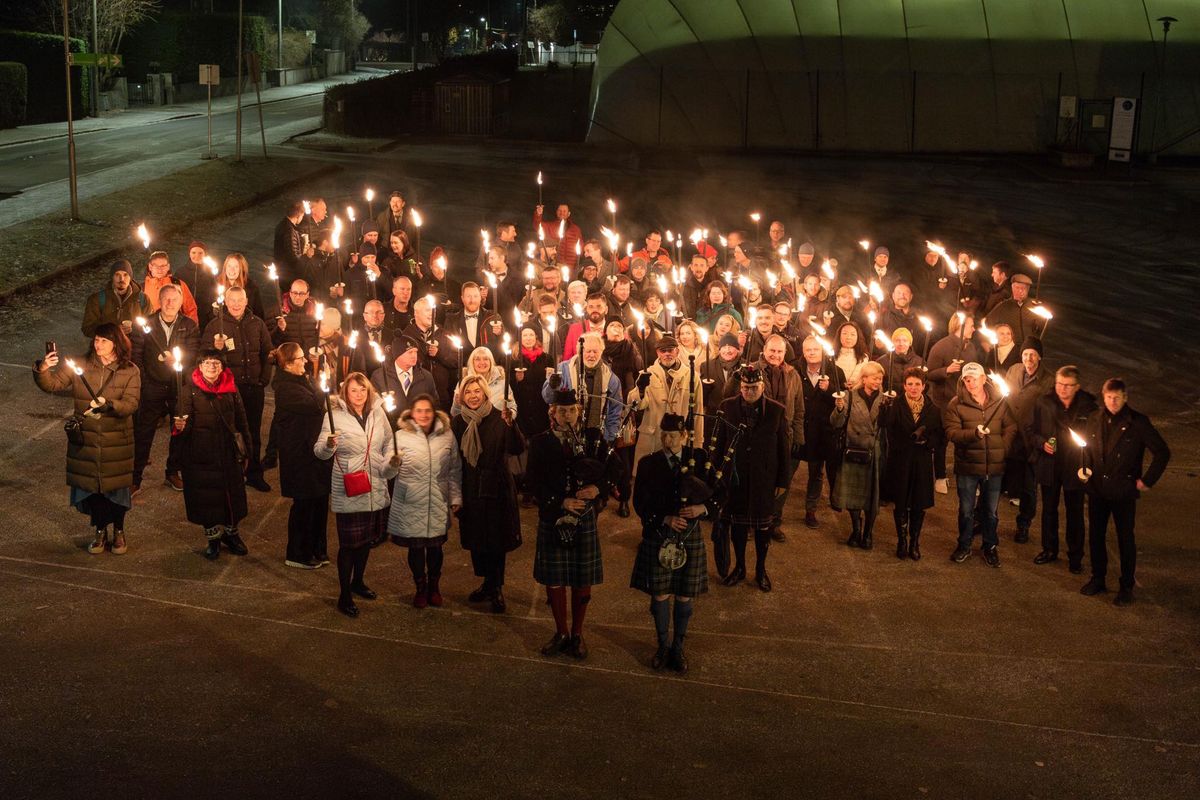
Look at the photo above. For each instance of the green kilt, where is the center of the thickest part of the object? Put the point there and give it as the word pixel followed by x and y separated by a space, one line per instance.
pixel 857 485
pixel 578 565
pixel 653 578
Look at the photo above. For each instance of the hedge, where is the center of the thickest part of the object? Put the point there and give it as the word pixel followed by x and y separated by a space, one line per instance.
pixel 13 91
pixel 179 42
pixel 42 55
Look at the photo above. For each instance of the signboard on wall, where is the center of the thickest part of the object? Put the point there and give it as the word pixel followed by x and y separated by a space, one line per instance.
pixel 1124 119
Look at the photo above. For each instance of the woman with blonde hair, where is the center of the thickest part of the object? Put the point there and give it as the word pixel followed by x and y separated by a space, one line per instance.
pixel 687 334
pixel 235 271
pixel 482 364
pixel 356 434
pixel 724 324
pixel 856 489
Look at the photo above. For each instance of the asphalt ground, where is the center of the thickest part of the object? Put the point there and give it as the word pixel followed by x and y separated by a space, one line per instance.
pixel 160 674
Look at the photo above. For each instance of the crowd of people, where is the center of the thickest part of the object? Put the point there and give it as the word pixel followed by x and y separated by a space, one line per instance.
pixel 688 381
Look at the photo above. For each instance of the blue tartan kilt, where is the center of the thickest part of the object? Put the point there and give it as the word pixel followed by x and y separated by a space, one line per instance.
pixel 578 565
pixel 653 578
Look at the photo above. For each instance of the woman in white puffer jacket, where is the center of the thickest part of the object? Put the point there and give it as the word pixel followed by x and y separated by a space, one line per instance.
pixel 428 490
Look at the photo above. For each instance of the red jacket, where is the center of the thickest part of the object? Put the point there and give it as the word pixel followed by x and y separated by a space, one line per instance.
pixel 572 235
pixel 662 258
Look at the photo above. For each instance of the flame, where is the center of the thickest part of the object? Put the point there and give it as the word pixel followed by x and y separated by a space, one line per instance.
pixel 73 368
pixel 696 236
pixel 772 279
pixel 441 262
pixel 416 218
pixel 671 308
pixel 1042 312
pixel 612 207
pixel 826 345
pixel 484 235
pixel 529 271
pixel 816 326
pixel 884 340
pixel 517 318
pixel 430 302
pixel 1076 438
pixel 629 248
pixel 801 304
pixel 324 382
pixel 307 207
pixel 371 276
pixel 827 270
pixel 456 341
pixel 541 234
pixel 562 229
pixel 566 274
pixel 640 318
pixel 377 351
pixel 755 216
pixel 876 291
pixel 661 280
pixel 220 294
pixel 926 323
pixel 578 309
pixel 353 343
pixel 336 239
pixel 728 276
pixel 871 317
pixel 1038 262
pixel 177 359
pixel 320 311
pixel 864 244
pixel 144 235
pixel 724 242
pixel 506 344
pixel 578 248
pixel 988 333
pixel 389 402
pixel 670 237
pixel 539 178
pixel 141 323
pixel 854 290
pixel 272 273
pixel 999 383
pixel 350 213
pixel 552 323
pixel 703 336
pixel 491 278
pixel 791 273
pixel 753 316
pixel 370 195
pixel 212 265
pixel 783 250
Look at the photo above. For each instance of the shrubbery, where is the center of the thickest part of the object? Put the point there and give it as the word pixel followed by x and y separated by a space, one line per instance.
pixel 42 55
pixel 13 93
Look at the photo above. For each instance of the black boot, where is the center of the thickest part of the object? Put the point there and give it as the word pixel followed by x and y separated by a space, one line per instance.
pixel 901 518
pixel 868 532
pixel 623 509
pixel 855 539
pixel 214 542
pixel 915 521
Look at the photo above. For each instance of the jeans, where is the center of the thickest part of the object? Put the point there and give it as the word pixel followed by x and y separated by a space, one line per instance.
pixel 988 489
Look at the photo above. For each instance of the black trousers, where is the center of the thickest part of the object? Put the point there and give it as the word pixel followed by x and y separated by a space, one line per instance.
pixel 489 566
pixel 307 525
pixel 812 493
pixel 252 398
pixel 1074 502
pixel 1025 486
pixel 157 401
pixel 1123 514
pixel 781 500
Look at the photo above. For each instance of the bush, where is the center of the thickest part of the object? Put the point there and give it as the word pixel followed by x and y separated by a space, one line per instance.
pixel 295 49
pixel 180 42
pixel 13 92
pixel 42 55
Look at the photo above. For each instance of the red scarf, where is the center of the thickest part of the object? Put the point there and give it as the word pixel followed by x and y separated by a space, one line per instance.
pixel 534 354
pixel 224 385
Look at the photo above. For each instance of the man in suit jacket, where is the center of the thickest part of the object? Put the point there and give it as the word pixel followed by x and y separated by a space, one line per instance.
pixel 468 323
pixel 819 377
pixel 1117 441
pixel 402 377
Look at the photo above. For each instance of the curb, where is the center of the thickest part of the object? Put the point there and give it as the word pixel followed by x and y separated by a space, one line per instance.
pixel 169 230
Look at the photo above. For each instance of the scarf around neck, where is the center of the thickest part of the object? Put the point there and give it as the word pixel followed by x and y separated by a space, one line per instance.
pixel 471 445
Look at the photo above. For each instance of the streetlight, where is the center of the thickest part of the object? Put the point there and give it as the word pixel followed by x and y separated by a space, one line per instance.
pixel 1162 77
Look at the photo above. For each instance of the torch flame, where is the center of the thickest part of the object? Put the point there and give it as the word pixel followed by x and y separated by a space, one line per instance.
pixel 389 402
pixel 876 291
pixel 272 273
pixel 350 213
pixel 212 265
pixel 1076 438
pixel 772 279
pixel 864 244
pixel 539 178
pixel 612 207
pixel 456 341
pixel 177 359
pixel 416 218
pixel 1042 312
pixel 661 280
pixel 441 262
pixel 755 216
pixel 353 343
pixel 377 351
pixel 307 207
pixel 529 271
pixel 816 326
pixel 562 229
pixel 73 368
pixel 926 323
pixel 348 304
pixel 506 343
pixel 370 195
pixel 1038 262
pixel 491 278
pixel 144 235
pixel 320 311
pixel 988 333
pixel 884 340
pixel 578 309
pixel 827 270
pixel 999 383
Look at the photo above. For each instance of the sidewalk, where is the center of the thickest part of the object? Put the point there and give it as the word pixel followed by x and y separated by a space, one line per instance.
pixel 138 116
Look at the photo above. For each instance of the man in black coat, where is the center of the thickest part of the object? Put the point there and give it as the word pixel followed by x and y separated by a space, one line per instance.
pixel 437 353
pixel 467 324
pixel 245 342
pixel 403 377
pixel 757 474
pixel 1118 438
pixel 817 375
pixel 718 374
pixel 289 246
pixel 297 321
pixel 1056 416
pixel 152 352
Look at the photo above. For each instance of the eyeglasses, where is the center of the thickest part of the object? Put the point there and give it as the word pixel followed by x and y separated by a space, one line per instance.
pixel 1066 385
pixel 294 293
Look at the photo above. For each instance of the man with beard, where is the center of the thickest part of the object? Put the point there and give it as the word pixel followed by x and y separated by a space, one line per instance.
pixel 551 284
pixel 663 388
pixel 468 323
pixel 121 302
pixel 756 337
pixel 1027 381
pixel 619 304
pixel 158 275
pixel 899 314
pixel 393 218
pixel 652 253
pixel 601 391
pixel 593 253
pixel 595 317
pixel 694 288
pixel 845 309
pixel 758 472
pixel 371 330
pixel 783 385
pixel 820 437
pixel 946 359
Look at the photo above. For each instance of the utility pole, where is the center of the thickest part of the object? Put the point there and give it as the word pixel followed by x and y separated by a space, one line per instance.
pixel 96 68
pixel 238 138
pixel 1152 156
pixel 279 41
pixel 70 122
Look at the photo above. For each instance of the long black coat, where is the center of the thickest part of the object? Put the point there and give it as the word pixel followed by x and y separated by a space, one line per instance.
pixel 908 476
pixel 1050 418
pixel 720 388
pixel 761 462
pixel 533 414
pixel 1116 469
pixel 490 520
pixel 820 436
pixel 214 488
pixel 299 410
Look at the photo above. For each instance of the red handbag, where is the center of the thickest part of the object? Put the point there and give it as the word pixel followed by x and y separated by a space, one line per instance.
pixel 356 483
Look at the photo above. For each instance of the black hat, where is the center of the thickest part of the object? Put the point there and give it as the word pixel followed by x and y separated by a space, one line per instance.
pixel 667 342
pixel 565 397
pixel 1032 343
pixel 211 352
pixel 751 374
pixel 120 265
pixel 729 340
pixel 672 422
pixel 370 227
pixel 403 344
pixel 367 249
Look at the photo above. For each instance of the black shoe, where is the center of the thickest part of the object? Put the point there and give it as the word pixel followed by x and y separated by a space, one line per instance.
pixel 1124 597
pixel 1093 587
pixel 914 548
pixel 233 543
pixel 213 550
pixel 735 576
pixel 659 660
pixel 557 644
pixel 578 648
pixel 810 519
pixel 499 606
pixel 484 592
pixel 866 542
pixel 1045 557
pixel 678 660
pixel 855 539
pixel 1076 569
pixel 258 483
pixel 763 580
pixel 363 591
pixel 348 608
pixel 960 554
pixel 623 509
pixel 901 546
pixel 777 534
pixel 270 462
pixel 991 556
pixel 1022 536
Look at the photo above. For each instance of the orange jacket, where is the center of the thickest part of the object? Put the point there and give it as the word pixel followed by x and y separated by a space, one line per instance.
pixel 152 285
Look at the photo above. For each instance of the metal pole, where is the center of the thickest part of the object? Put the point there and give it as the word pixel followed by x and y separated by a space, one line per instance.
pixel 70 121
pixel 279 40
pixel 1152 156
pixel 238 137
pixel 95 93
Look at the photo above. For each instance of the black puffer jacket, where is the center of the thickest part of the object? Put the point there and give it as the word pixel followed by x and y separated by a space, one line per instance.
pixel 249 360
pixel 299 409
pixel 214 489
pixel 151 350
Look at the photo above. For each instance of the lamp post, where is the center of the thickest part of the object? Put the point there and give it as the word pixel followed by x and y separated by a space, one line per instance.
pixel 1152 156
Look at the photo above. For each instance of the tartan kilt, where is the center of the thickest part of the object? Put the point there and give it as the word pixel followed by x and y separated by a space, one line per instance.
pixel 857 485
pixel 578 565
pixel 653 578
pixel 360 528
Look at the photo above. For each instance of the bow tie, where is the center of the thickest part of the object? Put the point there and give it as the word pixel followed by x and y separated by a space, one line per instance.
pixel 472 316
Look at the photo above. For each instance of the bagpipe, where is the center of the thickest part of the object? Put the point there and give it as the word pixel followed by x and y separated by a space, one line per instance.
pixel 584 468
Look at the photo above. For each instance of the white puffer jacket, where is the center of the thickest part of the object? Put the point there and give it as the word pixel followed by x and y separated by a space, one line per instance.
pixel 429 481
pixel 368 450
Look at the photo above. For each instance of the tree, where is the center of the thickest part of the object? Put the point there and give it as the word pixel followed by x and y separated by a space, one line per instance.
pixel 547 23
pixel 114 18
pixel 342 26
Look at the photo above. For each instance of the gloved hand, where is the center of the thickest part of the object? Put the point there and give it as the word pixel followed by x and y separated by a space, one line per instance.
pixel 555 381
pixel 643 381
